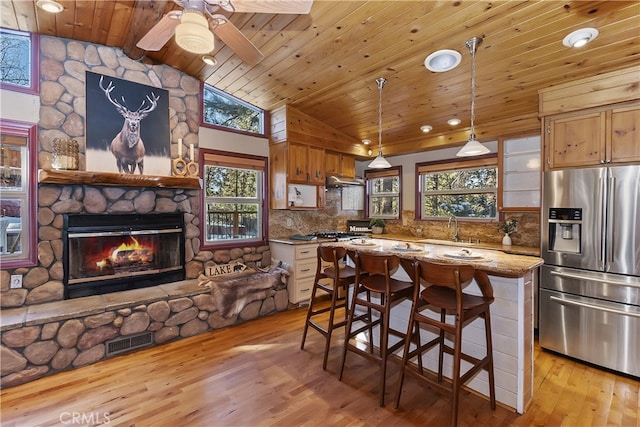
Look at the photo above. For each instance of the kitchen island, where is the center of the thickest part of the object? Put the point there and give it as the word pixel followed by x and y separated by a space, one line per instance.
pixel 512 312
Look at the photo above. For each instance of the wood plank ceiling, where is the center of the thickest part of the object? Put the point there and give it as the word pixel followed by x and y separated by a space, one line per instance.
pixel 326 63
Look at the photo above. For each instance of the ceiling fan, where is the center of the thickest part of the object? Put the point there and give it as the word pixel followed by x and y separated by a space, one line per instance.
pixel 193 25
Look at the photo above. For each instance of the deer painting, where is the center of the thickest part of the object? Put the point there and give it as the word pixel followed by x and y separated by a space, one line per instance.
pixel 127 146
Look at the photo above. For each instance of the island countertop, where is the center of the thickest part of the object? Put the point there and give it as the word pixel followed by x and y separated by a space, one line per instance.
pixel 494 262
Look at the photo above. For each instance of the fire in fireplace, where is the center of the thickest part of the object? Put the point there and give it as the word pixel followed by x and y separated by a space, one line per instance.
pixel 110 253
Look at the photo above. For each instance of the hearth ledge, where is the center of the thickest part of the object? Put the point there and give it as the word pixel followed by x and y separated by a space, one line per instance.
pixel 65 177
pixel 38 314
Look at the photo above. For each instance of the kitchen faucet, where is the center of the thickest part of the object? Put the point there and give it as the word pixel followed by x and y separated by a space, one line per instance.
pixel 455 229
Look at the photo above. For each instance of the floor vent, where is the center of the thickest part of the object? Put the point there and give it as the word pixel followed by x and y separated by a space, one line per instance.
pixel 122 344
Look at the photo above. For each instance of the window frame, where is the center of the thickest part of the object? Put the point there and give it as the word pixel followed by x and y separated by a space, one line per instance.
pixel 264 118
pixel 382 173
pixel 28 131
pixel 205 156
pixel 486 161
pixel 34 88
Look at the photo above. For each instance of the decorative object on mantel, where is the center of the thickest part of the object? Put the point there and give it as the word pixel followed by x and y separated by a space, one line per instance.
pixel 180 167
pixel 507 228
pixel 65 154
pixel 136 140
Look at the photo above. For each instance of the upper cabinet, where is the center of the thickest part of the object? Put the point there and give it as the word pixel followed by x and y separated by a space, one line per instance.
pixel 592 121
pixel 298 161
pixel 342 165
pixel 595 136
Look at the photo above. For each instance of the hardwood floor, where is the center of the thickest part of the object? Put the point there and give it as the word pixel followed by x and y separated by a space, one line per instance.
pixel 255 374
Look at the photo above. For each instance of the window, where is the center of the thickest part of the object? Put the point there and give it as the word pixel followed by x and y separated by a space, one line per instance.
pixel 383 193
pixel 220 109
pixel 234 191
pixel 464 189
pixel 19 59
pixel 17 194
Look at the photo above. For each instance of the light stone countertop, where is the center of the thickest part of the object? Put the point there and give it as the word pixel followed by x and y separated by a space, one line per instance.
pixel 491 257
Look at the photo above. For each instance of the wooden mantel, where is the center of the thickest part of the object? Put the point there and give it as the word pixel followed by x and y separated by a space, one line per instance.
pixel 66 177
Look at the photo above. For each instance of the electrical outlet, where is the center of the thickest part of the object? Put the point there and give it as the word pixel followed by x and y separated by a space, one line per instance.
pixel 405 221
pixel 289 222
pixel 16 281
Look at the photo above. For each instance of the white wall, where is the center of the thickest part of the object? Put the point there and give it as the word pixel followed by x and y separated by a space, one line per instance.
pixel 408 163
pixel 228 141
pixel 19 106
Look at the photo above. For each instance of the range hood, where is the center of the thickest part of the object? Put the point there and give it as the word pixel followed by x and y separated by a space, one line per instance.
pixel 337 181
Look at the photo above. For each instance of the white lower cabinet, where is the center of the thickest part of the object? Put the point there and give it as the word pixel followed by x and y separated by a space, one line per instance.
pixel 302 262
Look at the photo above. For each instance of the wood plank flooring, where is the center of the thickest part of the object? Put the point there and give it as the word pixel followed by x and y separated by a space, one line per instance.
pixel 255 374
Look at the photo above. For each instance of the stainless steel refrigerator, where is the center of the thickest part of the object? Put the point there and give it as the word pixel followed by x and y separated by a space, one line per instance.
pixel 590 281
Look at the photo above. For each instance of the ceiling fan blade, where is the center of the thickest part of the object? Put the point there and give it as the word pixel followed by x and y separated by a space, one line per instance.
pixel 241 45
pixel 301 7
pixel 160 34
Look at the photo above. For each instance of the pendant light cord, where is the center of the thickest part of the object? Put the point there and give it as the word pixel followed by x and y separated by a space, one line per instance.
pixel 380 81
pixel 473 88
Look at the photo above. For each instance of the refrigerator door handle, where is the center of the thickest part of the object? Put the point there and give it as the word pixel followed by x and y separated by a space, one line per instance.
pixel 611 218
pixel 608 280
pixel 569 301
pixel 601 231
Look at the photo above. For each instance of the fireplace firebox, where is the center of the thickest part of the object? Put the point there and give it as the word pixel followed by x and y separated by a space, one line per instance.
pixel 111 253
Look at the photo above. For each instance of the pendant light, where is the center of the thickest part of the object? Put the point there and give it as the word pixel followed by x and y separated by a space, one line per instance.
pixel 473 147
pixel 380 162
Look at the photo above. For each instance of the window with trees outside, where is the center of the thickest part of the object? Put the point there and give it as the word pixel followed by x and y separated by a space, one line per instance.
pixel 467 190
pixel 384 193
pixel 18 157
pixel 234 206
pixel 219 109
pixel 19 59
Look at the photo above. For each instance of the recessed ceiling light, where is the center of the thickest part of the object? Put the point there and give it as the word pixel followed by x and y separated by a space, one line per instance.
pixel 443 60
pixel 366 141
pixel 453 122
pixel 580 37
pixel 209 60
pixel 426 128
pixel 370 152
pixel 50 6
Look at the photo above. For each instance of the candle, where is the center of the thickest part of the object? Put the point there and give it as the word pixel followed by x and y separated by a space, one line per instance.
pixel 191 152
pixel 180 148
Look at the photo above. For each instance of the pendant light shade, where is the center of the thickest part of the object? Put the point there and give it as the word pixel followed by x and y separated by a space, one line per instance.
pixel 473 147
pixel 380 162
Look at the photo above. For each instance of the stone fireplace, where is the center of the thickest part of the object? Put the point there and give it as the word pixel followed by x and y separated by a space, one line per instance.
pixel 110 253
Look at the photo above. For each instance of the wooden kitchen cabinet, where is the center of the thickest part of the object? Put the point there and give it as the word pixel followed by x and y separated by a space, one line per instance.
pixel 291 168
pixel 340 164
pixel 592 121
pixel 596 136
pixel 302 261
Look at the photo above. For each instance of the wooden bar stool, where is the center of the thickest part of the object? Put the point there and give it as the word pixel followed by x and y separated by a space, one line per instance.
pixel 444 284
pixel 379 281
pixel 329 280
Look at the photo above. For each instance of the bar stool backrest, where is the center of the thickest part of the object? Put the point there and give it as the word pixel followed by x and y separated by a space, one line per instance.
pixel 331 253
pixel 454 276
pixel 384 265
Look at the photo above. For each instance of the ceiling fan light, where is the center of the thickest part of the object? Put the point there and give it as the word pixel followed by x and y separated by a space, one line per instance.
pixel 473 147
pixel 379 162
pixel 50 6
pixel 443 60
pixel 192 34
pixel 209 60
pixel 580 37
